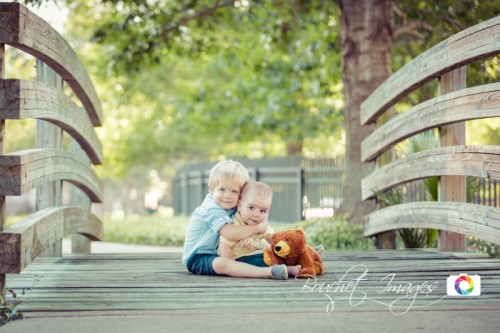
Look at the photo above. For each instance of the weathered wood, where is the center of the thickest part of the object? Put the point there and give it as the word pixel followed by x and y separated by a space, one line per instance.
pixel 21 99
pixel 28 238
pixel 79 243
pixel 476 161
pixel 49 136
pixel 477 42
pixel 2 144
pixel 475 220
pixel 159 281
pixel 24 30
pixel 466 104
pixel 44 169
pixel 25 170
pixel 452 188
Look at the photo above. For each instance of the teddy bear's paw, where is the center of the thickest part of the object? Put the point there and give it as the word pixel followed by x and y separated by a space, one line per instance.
pixel 318 269
pixel 267 259
pixel 307 272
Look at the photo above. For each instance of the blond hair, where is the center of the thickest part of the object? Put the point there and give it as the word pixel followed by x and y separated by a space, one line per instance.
pixel 261 189
pixel 228 171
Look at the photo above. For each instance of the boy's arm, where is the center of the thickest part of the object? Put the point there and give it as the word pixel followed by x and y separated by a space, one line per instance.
pixel 268 235
pixel 247 243
pixel 237 232
pixel 225 250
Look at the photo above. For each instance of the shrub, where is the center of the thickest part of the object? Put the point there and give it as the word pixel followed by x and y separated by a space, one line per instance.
pixel 147 230
pixel 479 245
pixel 336 233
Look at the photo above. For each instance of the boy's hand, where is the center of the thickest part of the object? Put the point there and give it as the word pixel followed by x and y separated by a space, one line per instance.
pixel 262 227
pixel 246 243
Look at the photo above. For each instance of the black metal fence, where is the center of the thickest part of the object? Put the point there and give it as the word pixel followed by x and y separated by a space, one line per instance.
pixel 481 191
pixel 302 188
pixel 487 192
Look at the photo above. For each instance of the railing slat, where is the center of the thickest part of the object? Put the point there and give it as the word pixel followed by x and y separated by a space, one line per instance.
pixel 28 238
pixel 474 220
pixel 25 170
pixel 477 42
pixel 20 99
pixel 477 161
pixel 24 30
pixel 466 104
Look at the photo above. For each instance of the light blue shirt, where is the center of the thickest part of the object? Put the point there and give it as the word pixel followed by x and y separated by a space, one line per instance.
pixel 202 234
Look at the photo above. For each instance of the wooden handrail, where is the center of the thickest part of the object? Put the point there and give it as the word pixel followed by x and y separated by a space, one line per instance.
pixel 21 28
pixel 25 170
pixel 43 169
pixel 477 42
pixel 28 238
pixel 476 161
pixel 447 113
pixel 474 220
pixel 467 104
pixel 21 99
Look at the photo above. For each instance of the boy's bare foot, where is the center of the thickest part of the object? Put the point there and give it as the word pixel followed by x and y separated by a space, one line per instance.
pixel 293 270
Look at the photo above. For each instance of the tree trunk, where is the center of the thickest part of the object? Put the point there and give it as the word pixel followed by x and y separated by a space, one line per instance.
pixel 366 58
pixel 294 148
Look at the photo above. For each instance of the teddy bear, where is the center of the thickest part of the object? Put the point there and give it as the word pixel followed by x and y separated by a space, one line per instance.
pixel 289 247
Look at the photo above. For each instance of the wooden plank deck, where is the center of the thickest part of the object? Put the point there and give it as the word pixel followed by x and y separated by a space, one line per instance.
pixel 158 281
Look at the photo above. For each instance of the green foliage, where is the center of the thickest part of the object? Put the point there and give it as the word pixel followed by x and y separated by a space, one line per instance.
pixel 185 79
pixel 203 79
pixel 479 245
pixel 411 237
pixel 146 230
pixel 418 143
pixel 335 234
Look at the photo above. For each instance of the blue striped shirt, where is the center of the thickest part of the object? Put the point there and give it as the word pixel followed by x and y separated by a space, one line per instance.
pixel 202 234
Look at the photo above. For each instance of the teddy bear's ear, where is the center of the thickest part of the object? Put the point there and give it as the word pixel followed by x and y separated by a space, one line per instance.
pixel 299 229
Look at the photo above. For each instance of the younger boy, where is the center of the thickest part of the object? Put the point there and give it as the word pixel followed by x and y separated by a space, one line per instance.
pixel 253 208
pixel 213 218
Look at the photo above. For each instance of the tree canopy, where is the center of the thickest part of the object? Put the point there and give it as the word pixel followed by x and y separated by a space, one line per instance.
pixel 199 79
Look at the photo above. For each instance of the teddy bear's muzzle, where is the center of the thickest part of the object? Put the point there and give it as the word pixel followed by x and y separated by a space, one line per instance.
pixel 282 249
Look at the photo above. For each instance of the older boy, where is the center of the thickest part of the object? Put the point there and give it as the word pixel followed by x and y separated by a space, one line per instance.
pixel 213 218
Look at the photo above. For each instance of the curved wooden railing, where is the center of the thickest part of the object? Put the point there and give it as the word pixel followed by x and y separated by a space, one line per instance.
pixel 477 42
pixel 476 161
pixel 28 238
pixel 48 164
pixel 23 99
pixel 474 220
pixel 28 32
pixel 453 160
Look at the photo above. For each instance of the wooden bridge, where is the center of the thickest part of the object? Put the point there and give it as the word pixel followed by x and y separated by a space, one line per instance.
pixel 387 280
pixel 395 282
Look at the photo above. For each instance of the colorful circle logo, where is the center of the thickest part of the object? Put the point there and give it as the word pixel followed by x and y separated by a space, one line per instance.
pixel 461 280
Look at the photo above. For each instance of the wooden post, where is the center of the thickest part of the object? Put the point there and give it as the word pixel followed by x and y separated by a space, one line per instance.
pixel 300 194
pixel 2 134
pixel 452 188
pixel 49 136
pixel 386 240
pixel 79 243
